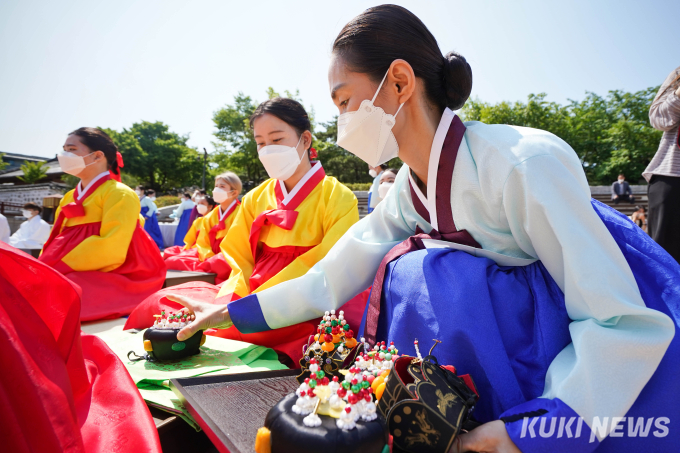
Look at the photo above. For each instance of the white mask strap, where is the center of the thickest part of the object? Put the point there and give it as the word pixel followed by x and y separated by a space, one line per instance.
pixel 379 87
pixel 378 91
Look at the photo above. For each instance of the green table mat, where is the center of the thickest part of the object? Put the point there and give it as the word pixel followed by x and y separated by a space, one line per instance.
pixel 218 356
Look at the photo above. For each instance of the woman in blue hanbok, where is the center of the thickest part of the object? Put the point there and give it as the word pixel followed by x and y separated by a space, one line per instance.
pixel 149 210
pixel 562 310
pixel 183 212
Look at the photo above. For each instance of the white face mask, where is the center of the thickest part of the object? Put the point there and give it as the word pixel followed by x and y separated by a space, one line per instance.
pixel 384 188
pixel 280 161
pixel 373 173
pixel 72 163
pixel 621 180
pixel 367 133
pixel 26 213
pixel 152 198
pixel 202 209
pixel 220 195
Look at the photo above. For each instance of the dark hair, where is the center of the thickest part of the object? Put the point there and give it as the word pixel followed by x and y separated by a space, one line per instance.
pixel 150 192
pixel 203 192
pixel 210 201
pixel 287 110
pixel 98 140
pixel 391 170
pixel 370 42
pixel 621 174
pixel 140 187
pixel 33 207
pixel 637 208
pixel 187 195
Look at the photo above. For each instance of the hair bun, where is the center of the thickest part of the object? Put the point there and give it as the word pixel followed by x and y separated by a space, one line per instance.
pixel 457 80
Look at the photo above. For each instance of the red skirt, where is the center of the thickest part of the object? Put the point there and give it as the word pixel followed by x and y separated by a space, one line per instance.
pixel 270 261
pixel 188 260
pixel 60 391
pixel 116 293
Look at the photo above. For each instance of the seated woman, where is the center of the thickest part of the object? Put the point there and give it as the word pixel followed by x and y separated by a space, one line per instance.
pixel 148 211
pixel 182 213
pixel 34 232
pixel 564 313
pixel 205 256
pixel 96 240
pixel 387 179
pixel 186 258
pixel 285 225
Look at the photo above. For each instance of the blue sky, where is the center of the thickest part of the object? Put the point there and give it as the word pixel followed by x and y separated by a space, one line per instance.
pixel 82 63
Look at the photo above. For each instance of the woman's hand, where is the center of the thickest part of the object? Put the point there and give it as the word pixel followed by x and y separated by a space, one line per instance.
pixel 208 316
pixel 491 437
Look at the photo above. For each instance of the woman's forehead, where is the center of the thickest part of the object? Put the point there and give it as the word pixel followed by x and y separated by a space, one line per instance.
pixel 268 124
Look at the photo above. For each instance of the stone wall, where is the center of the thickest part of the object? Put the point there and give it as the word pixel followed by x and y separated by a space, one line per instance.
pixel 30 192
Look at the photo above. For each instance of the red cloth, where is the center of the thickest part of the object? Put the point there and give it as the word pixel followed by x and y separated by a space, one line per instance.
pixel 188 260
pixel 271 261
pixel 178 259
pixel 116 293
pixel 218 265
pixel 60 393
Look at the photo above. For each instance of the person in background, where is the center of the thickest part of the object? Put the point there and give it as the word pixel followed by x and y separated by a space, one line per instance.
pixel 4 229
pixel 373 195
pixel 185 258
pixel 621 191
pixel 663 172
pixel 205 255
pixel 183 212
pixel 386 182
pixel 639 217
pixel 34 232
pixel 149 210
pixel 194 212
pixel 96 240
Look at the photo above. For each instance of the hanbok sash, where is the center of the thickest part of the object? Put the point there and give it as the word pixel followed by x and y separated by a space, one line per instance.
pixel 285 215
pixel 446 231
pixel 212 234
pixel 74 209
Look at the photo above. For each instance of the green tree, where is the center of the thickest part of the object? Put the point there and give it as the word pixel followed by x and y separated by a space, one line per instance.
pixel 157 157
pixel 33 172
pixel 610 135
pixel 235 147
pixel 3 164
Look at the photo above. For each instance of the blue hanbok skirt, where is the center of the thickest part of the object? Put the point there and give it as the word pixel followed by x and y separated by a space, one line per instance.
pixel 151 227
pixel 182 227
pixel 505 325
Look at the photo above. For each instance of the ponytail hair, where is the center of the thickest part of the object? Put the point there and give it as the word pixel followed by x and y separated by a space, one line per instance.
pixel 370 42
pixel 98 140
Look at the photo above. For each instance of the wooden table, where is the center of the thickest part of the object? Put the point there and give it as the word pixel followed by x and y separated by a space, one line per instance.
pixel 174 278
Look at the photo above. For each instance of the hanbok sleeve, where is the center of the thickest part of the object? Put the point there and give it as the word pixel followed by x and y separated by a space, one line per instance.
pixel 347 269
pixel 203 240
pixel 108 250
pixel 341 214
pixel 617 342
pixel 235 247
pixel 192 235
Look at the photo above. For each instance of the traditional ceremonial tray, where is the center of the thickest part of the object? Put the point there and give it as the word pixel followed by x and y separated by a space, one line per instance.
pixel 231 408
